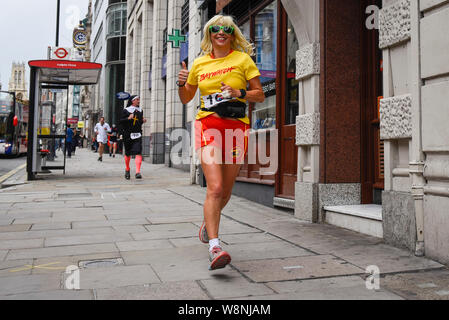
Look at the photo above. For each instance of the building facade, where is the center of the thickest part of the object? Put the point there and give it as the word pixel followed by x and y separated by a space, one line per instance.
pixel 108 45
pixel 18 82
pixel 354 116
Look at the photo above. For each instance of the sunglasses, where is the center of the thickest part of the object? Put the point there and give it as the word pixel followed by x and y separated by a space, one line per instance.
pixel 226 29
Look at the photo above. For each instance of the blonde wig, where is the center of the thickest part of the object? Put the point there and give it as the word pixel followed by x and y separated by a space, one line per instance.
pixel 239 43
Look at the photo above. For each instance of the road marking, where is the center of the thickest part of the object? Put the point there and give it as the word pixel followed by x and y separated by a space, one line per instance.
pixel 103 195
pixel 293 267
pixel 11 173
pixel 42 266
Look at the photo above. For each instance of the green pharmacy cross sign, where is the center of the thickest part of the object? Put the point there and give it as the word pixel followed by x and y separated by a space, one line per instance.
pixel 176 38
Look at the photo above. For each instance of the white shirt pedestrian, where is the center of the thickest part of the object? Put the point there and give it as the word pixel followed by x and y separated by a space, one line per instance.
pixel 102 132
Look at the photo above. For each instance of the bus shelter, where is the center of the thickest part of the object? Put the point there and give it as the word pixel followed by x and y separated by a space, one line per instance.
pixel 48 118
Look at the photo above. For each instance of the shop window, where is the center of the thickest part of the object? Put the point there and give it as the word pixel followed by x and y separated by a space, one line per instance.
pixel 265 37
pixel 292 105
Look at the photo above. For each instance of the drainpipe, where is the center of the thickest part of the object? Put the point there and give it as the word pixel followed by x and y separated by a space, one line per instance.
pixel 417 162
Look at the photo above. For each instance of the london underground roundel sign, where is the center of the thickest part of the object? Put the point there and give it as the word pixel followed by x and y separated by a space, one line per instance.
pixel 61 53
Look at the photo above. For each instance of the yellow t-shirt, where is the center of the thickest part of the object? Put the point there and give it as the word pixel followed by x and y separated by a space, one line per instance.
pixel 208 73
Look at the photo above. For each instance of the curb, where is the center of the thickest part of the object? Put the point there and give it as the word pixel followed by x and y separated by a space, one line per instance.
pixel 8 175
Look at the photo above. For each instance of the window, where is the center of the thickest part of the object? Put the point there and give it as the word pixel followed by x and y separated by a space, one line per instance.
pixel 97 7
pixel 292 104
pixel 185 18
pixel 265 37
pixel 116 20
pixel 116 49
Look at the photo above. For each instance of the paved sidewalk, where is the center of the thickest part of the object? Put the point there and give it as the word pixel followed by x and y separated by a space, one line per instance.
pixel 139 240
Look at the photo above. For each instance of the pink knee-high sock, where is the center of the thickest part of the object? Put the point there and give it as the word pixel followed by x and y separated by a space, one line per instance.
pixel 127 162
pixel 138 163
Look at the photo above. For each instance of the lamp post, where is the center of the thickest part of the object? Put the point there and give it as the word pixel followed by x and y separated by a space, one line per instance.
pixel 58 9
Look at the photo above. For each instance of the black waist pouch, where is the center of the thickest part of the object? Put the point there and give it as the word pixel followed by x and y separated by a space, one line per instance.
pixel 229 109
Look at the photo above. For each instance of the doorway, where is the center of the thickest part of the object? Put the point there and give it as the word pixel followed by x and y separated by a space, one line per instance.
pixel 289 108
pixel 372 166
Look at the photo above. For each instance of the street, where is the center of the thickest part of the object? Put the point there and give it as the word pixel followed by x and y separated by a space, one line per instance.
pixel 91 234
pixel 9 163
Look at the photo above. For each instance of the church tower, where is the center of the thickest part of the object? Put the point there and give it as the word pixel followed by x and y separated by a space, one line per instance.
pixel 17 81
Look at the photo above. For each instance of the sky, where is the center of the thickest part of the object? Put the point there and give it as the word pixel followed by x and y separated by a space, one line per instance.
pixel 28 27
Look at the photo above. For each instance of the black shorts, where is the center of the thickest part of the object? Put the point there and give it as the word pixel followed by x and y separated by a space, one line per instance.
pixel 133 147
pixel 113 140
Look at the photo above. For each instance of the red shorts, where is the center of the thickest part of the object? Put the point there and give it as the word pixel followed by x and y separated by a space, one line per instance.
pixel 229 136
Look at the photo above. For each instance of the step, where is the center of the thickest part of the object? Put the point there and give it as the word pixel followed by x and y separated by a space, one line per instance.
pixel 366 219
pixel 284 203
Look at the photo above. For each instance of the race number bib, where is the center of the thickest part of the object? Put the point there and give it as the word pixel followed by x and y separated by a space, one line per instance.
pixel 212 100
pixel 135 136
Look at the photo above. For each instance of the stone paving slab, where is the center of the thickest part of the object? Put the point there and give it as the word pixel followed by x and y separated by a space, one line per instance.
pixel 29 283
pixel 114 277
pixel 232 287
pixel 51 226
pixel 177 264
pixel 130 229
pixel 167 256
pixel 187 242
pixel 127 215
pixel 3 254
pixel 21 244
pixel 387 258
pixel 109 223
pixel 296 268
pixel 182 290
pixel 167 231
pixel 264 250
pixel 339 288
pixel 143 245
pixel 87 239
pixel 231 239
pixel 29 213
pixel 164 219
pixel 6 221
pixel 54 233
pixel 15 228
pixel 190 270
pixel 15 268
pixel 424 285
pixel 61 218
pixel 60 251
pixel 63 295
pixel 59 264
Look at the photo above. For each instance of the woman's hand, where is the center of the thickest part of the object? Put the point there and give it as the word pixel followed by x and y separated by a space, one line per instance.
pixel 183 74
pixel 131 116
pixel 186 91
pixel 235 93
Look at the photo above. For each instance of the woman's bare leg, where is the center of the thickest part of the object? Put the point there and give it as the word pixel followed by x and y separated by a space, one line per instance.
pixel 220 181
pixel 211 164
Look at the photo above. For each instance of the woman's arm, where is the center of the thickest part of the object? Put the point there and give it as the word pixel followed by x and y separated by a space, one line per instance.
pixel 255 93
pixel 186 92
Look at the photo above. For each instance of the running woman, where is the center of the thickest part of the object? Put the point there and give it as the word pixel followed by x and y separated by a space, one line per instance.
pixel 102 129
pixel 222 74
pixel 132 121
pixel 113 141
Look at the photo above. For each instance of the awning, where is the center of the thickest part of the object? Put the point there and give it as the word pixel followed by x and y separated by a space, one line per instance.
pixel 66 72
